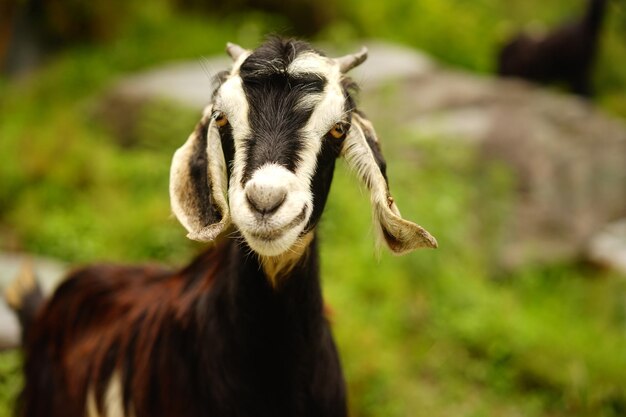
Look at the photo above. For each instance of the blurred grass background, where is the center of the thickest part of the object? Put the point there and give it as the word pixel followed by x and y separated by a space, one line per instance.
pixel 434 333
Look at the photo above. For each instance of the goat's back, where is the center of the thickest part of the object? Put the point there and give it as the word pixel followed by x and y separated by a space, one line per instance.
pixel 108 318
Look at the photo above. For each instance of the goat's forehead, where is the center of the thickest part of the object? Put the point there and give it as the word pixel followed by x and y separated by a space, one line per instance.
pixel 308 63
pixel 312 63
pixel 320 75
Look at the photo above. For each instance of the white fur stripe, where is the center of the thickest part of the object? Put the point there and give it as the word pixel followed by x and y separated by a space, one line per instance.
pixel 310 62
pixel 328 111
pixel 113 400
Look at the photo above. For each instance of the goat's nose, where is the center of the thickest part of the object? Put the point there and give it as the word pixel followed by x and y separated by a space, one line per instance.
pixel 265 198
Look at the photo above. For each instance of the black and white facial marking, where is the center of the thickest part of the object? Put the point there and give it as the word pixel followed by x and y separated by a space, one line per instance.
pixel 282 101
pixel 263 155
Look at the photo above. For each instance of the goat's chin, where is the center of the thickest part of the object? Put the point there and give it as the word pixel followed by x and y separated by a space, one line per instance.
pixel 273 246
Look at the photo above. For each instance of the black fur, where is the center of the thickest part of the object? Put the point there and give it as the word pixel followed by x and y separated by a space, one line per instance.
pixel 273 95
pixel 228 147
pixel 234 347
pixel 320 185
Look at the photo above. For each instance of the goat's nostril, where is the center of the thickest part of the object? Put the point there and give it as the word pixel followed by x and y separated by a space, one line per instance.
pixel 265 199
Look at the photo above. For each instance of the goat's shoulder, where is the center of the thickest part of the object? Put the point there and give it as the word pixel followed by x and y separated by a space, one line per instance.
pixel 118 297
pixel 118 317
pixel 93 289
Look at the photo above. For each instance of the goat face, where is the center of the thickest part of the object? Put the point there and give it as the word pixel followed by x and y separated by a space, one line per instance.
pixel 263 155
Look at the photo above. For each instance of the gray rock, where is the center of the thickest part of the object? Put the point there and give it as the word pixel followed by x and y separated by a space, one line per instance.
pixel 608 247
pixel 185 83
pixel 569 158
pixel 49 273
pixel 388 62
pixel 9 328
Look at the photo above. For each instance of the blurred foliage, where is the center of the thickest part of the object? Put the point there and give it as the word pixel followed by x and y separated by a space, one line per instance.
pixel 434 333
pixel 10 381
pixel 305 17
pixel 67 21
pixel 461 33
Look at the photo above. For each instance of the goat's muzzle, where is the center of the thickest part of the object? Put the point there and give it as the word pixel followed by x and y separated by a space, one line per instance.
pixel 265 198
pixel 271 210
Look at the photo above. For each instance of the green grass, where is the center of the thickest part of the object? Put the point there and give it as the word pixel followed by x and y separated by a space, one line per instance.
pixel 439 333
pixel 433 333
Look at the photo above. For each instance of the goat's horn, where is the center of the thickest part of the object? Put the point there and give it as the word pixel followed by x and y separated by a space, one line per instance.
pixel 347 62
pixel 234 50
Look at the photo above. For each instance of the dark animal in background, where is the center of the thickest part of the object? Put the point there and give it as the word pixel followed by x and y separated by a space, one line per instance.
pixel 241 330
pixel 566 54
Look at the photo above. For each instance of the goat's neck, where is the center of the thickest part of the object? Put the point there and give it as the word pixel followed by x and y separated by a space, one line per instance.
pixel 276 294
pixel 274 343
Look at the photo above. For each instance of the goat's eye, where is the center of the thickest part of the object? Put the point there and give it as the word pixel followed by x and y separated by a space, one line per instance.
pixel 339 130
pixel 220 118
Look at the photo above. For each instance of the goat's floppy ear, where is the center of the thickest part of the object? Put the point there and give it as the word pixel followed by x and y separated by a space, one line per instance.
pixel 198 182
pixel 362 153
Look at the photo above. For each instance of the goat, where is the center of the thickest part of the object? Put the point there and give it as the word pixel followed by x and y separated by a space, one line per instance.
pixel 565 55
pixel 240 331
